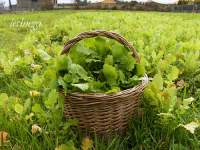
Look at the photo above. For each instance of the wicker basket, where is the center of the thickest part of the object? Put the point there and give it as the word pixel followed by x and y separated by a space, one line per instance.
pixel 103 113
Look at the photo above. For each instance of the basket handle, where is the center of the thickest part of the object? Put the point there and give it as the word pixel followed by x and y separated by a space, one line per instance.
pixel 111 35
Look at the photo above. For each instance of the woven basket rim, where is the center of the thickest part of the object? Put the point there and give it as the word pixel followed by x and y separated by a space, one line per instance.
pixel 144 82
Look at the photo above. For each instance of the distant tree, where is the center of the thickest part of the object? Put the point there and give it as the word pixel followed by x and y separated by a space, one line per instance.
pixel 85 1
pixel 10 5
pixel 78 2
pixel 184 2
pixel 197 1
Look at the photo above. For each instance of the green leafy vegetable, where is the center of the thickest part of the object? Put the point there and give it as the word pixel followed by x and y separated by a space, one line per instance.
pixel 98 68
pixel 110 74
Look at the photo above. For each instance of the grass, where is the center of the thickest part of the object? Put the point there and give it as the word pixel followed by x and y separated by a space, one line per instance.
pixel 174 34
pixel 17 34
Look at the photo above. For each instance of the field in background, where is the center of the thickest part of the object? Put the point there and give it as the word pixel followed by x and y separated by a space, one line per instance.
pixel 169 46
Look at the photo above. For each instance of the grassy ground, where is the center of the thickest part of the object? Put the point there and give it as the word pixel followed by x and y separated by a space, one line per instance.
pixel 16 34
pixel 168 44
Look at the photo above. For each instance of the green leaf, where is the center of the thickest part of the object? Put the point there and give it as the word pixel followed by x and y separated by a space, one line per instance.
pixel 71 78
pixel 122 77
pixel 28 60
pixel 166 115
pixel 171 91
pixel 62 62
pixel 82 50
pixel 185 105
pixel 151 97
pixel 43 55
pixel 92 60
pixel 170 58
pixel 170 100
pixel 52 98
pixel 109 60
pixel 100 44
pixel 28 83
pixel 94 65
pixel 37 81
pixel 113 90
pixel 50 77
pixel 96 86
pixel 166 118
pixel 127 62
pixel 3 99
pixel 37 108
pixel 158 81
pixel 187 102
pixel 27 105
pixel 123 57
pixel 118 51
pixel 19 108
pixel 62 83
pixel 79 54
pixel 70 122
pixel 140 69
pixel 132 81
pixel 110 73
pixel 173 74
pixel 79 70
pixel 82 86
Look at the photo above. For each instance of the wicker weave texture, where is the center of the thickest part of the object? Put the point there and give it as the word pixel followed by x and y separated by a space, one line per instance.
pixel 104 113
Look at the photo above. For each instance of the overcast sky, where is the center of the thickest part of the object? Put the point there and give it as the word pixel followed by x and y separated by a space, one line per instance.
pixel 65 1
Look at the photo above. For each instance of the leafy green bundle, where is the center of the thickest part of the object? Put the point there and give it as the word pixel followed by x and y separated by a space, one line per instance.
pixel 98 66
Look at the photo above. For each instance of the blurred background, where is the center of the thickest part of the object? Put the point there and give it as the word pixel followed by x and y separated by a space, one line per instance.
pixel 143 5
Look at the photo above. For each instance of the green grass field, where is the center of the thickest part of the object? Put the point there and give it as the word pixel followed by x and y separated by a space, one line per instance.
pixel 169 47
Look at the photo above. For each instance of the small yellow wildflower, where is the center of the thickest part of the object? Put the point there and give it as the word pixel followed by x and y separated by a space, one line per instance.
pixel 34 93
pixel 87 144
